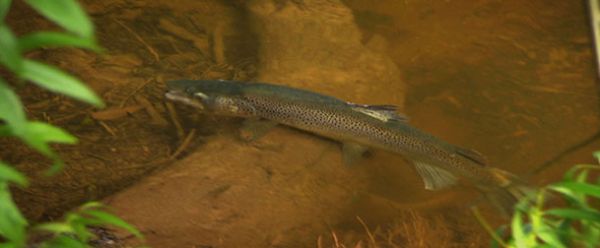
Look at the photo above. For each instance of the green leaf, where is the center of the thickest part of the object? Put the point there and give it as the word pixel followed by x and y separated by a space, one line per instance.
pixel 113 220
pixel 573 198
pixel 39 134
pixel 549 236
pixel 57 165
pixel 597 155
pixel 12 222
pixel 11 109
pixel 80 224
pixel 66 13
pixel 572 172
pixel 575 214
pixel 4 6
pixel 582 176
pixel 5 130
pixel 9 174
pixel 49 133
pixel 517 230
pixel 563 229
pixel 55 227
pixel 53 39
pixel 579 187
pixel 90 205
pixel 591 235
pixel 64 241
pixel 494 243
pixel 9 50
pixel 56 80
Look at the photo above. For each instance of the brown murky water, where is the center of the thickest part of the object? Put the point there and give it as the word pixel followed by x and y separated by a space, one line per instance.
pixel 512 79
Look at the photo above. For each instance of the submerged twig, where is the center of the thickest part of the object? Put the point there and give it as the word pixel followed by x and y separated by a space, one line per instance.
pixel 320 242
pixel 184 144
pixel 566 152
pixel 175 119
pixel 68 117
pixel 372 242
pixel 487 226
pixel 108 128
pixel 99 157
pixel 201 43
pixel 218 46
pixel 152 111
pixel 336 242
pixel 141 86
pixel 139 38
pixel 115 113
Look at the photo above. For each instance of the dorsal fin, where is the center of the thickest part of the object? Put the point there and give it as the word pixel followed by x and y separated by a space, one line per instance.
pixel 434 178
pixel 382 112
pixel 472 155
pixel 388 107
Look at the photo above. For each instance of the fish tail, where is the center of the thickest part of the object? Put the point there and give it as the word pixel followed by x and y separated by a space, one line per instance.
pixel 506 190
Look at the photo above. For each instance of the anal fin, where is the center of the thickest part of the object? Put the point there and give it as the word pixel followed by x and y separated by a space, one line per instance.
pixel 434 178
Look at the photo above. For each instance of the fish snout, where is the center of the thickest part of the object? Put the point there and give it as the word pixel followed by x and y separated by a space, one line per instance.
pixel 182 97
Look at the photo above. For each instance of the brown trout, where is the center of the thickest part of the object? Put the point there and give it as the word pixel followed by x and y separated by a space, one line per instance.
pixel 357 127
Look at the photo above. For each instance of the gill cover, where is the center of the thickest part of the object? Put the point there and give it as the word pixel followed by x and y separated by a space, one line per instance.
pixel 232 106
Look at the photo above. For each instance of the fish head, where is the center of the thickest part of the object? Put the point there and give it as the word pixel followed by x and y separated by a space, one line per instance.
pixel 217 97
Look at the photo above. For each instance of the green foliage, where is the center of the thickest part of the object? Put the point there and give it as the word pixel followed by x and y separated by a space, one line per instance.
pixel 4 4
pixel 10 175
pixel 53 39
pixel 55 80
pixel 11 110
pixel 65 13
pixel 72 232
pixel 73 229
pixel 10 56
pixel 12 222
pixel 575 223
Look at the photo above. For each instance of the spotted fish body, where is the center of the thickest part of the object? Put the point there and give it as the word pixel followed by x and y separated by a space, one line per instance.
pixel 438 162
pixel 342 123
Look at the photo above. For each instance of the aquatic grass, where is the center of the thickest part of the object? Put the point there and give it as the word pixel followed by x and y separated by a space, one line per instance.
pixel 79 32
pixel 410 229
pixel 573 219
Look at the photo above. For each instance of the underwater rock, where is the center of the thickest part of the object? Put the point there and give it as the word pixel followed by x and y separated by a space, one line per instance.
pixel 316 44
pixel 235 194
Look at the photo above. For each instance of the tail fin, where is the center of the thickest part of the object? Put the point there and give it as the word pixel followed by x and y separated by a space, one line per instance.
pixel 506 192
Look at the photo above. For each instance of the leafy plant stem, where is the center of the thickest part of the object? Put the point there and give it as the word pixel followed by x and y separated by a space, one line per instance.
pixel 487 226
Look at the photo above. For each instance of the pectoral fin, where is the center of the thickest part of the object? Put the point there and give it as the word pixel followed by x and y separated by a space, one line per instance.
pixel 253 129
pixel 434 177
pixel 352 152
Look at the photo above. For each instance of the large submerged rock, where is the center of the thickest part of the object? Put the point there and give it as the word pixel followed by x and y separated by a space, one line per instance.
pixel 281 190
pixel 316 44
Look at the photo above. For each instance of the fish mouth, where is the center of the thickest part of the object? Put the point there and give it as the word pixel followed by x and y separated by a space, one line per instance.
pixel 180 96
